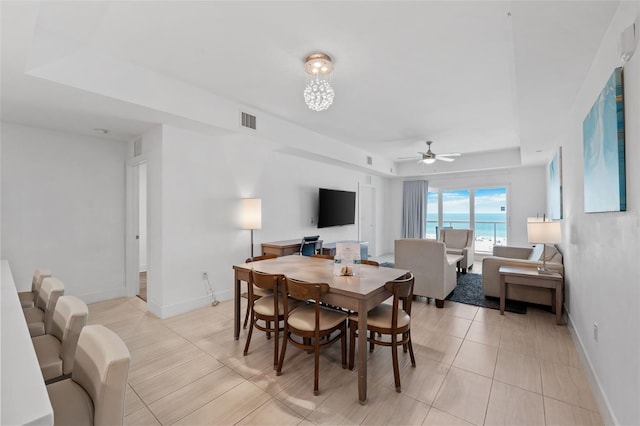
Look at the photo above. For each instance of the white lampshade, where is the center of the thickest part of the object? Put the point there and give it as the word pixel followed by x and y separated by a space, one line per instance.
pixel 252 213
pixel 544 232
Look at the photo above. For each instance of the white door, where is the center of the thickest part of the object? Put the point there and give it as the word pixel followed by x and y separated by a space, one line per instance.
pixel 133 222
pixel 367 217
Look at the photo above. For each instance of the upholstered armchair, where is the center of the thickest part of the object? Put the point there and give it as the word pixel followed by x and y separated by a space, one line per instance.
pixel 520 256
pixel 459 241
pixel 427 259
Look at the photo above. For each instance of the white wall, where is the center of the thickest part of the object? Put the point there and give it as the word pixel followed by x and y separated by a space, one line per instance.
pixel 526 188
pixel 602 249
pixel 63 208
pixel 198 195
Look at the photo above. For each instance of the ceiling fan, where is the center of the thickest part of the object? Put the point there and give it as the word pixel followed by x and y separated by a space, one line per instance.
pixel 430 157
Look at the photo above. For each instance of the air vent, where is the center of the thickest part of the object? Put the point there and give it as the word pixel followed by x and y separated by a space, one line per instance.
pixel 369 160
pixel 248 121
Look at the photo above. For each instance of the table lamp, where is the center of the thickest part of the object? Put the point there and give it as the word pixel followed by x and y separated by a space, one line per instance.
pixel 252 216
pixel 544 231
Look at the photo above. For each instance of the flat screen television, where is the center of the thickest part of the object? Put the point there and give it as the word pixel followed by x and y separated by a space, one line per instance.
pixel 336 208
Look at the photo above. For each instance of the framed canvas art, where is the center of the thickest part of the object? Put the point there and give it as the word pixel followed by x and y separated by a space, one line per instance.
pixel 554 191
pixel 603 140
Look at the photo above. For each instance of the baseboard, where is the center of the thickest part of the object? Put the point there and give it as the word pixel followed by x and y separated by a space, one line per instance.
pixel 608 418
pixel 101 296
pixel 168 311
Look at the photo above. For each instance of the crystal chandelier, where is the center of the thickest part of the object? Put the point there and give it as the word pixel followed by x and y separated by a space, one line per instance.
pixel 318 93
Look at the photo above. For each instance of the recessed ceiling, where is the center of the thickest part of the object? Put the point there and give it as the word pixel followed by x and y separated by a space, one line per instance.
pixel 473 76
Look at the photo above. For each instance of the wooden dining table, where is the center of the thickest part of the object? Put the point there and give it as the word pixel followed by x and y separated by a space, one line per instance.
pixel 360 293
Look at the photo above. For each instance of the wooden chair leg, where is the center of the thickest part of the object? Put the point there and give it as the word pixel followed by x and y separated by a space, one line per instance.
pixel 246 316
pixel 343 344
pixel 316 353
pixel 413 359
pixel 352 343
pixel 275 346
pixel 246 346
pixel 285 339
pixel 371 336
pixel 394 356
pixel 439 303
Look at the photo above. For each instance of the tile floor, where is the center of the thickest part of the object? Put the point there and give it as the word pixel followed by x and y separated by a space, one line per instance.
pixel 473 367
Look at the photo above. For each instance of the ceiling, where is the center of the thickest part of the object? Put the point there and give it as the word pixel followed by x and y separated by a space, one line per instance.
pixel 472 76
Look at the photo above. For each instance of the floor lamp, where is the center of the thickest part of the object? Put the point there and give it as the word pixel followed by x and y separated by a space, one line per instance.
pixel 252 216
pixel 545 232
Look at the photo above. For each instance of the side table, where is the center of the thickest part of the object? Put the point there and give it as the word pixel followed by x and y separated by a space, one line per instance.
pixel 520 275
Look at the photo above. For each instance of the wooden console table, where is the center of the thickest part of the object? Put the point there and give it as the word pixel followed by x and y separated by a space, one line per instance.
pixel 520 275
pixel 282 248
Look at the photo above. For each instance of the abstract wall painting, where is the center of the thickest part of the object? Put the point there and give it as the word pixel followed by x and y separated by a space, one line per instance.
pixel 554 191
pixel 604 158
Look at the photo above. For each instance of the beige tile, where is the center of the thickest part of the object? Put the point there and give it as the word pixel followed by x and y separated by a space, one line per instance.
pixel 509 405
pixel 461 310
pixel 440 347
pixel 556 345
pixel 489 315
pixel 485 332
pixel 156 350
pixel 566 384
pixel 231 407
pixel 563 414
pixel 518 370
pixel 440 418
pixel 454 326
pixel 519 321
pixel 477 358
pixel 171 380
pixel 171 359
pixel 132 401
pixel 342 407
pixel 397 409
pixel 422 382
pixel 380 366
pixel 518 340
pixel 465 395
pixel 272 413
pixel 195 395
pixel 141 417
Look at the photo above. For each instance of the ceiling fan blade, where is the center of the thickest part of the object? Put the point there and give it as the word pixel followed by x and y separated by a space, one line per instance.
pixel 453 154
pixel 408 158
pixel 444 158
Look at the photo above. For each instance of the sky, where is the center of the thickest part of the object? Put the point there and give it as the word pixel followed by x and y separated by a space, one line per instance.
pixel 488 200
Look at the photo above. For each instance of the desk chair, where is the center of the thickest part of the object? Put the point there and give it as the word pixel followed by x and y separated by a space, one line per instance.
pixel 391 320
pixel 310 245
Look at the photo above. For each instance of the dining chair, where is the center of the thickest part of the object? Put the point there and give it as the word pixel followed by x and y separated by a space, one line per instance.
pixel 55 351
pixel 369 262
pixel 268 308
pixel 257 292
pixel 388 320
pixel 28 298
pixel 39 318
pixel 311 322
pixel 95 393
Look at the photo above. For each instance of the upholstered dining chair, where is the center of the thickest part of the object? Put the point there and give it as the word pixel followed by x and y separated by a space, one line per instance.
pixel 388 320
pixel 257 292
pixel 95 393
pixel 311 322
pixel 39 318
pixel 55 351
pixel 269 308
pixel 369 262
pixel 28 298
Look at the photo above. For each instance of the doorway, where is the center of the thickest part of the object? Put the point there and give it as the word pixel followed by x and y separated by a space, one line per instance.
pixel 142 231
pixel 136 229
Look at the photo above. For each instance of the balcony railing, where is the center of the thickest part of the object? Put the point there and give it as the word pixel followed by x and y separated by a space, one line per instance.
pixel 487 233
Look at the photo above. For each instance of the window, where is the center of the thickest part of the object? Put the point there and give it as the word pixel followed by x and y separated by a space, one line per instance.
pixel 483 210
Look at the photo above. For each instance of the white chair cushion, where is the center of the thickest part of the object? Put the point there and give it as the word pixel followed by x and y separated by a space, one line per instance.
pixel 381 315
pixel 48 352
pixel 304 318
pixel 27 299
pixel 264 305
pixel 35 321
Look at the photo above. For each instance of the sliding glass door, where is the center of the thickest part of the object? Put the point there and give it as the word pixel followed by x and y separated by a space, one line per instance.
pixel 490 218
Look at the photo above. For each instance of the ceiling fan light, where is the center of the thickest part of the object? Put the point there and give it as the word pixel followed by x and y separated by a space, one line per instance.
pixel 428 160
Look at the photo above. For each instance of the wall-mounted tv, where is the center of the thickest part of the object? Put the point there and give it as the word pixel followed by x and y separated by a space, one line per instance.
pixel 336 208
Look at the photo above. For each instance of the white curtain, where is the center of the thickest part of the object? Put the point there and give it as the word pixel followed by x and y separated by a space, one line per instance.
pixel 414 208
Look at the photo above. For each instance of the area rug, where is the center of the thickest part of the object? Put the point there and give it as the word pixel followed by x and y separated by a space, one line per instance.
pixel 469 292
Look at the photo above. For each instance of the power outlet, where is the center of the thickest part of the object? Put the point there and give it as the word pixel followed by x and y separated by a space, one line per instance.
pixel 595 331
pixel 205 276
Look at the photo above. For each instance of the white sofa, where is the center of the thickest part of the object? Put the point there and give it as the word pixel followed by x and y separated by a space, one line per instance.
pixel 434 276
pixel 460 242
pixel 519 256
